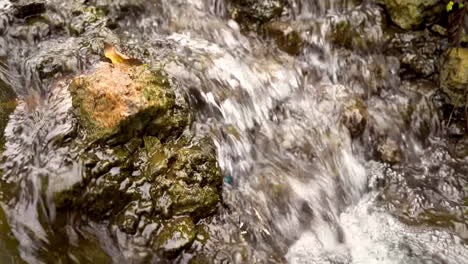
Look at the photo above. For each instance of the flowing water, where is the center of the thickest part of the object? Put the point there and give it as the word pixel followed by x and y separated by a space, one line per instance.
pixel 302 191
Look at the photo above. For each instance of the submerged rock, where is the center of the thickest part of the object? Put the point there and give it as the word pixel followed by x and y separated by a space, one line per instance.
pixel 286 36
pixel 430 193
pixel 347 35
pixel 419 53
pixel 7 106
pixel 176 235
pixel 251 14
pixel 454 76
pixel 389 151
pixel 30 8
pixel 85 17
pixel 355 118
pixel 412 14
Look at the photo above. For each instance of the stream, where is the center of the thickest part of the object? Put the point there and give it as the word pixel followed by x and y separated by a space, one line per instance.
pixel 301 188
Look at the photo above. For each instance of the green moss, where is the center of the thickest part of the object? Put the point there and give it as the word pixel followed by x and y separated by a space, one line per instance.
pixel 193 200
pixel 7 106
pixel 84 17
pixel 202 234
pixel 8 244
pixel 155 156
pixel 175 235
pixel 454 75
pixel 251 14
pixel 159 116
pixel 142 170
pixel 347 36
pixel 287 39
pixel 200 259
pixel 412 14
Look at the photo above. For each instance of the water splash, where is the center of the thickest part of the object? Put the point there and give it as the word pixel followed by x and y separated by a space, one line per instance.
pixel 299 179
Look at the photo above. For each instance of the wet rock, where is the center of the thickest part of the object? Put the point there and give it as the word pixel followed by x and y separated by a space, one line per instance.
pixel 357 31
pixel 175 236
pixel 454 76
pixel 460 146
pixel 7 106
pixel 8 243
pixel 200 259
pixel 355 118
pixel 439 30
pixel 23 10
pixel 286 37
pixel 86 17
pixel 347 36
pixel 124 102
pixel 140 172
pixel 251 14
pixel 389 151
pixel 413 14
pixel 430 193
pixel 419 53
pixel 189 180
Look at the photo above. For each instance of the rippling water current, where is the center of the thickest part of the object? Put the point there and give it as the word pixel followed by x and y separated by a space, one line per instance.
pixel 302 191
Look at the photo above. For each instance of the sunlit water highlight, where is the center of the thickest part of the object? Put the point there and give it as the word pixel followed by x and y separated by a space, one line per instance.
pixel 302 189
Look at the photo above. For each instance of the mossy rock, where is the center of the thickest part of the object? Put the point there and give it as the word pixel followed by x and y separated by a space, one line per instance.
pixel 413 14
pixel 286 37
pixel 141 166
pixel 7 106
pixel 251 14
pixel 454 76
pixel 189 178
pixel 389 151
pixel 347 36
pixel 357 31
pixel 355 117
pixel 117 103
pixel 8 244
pixel 146 179
pixel 174 236
pixel 84 17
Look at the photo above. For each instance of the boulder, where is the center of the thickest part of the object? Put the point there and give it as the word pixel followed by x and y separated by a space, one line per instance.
pixel 412 14
pixel 140 171
pixel 454 76
pixel 117 103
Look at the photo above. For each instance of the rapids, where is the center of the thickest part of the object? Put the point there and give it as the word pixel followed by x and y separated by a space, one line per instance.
pixel 303 189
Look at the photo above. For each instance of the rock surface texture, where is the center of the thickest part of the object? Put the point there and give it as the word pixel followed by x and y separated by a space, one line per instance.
pixel 412 14
pixel 141 172
pixel 454 76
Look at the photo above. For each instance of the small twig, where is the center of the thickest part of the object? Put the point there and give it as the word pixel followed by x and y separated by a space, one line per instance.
pixel 453 110
pixel 466 111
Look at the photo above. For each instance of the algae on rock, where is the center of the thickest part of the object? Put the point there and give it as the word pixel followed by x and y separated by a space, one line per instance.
pixel 251 14
pixel 142 169
pixel 412 14
pixel 285 35
pixel 124 102
pixel 7 106
pixel 454 76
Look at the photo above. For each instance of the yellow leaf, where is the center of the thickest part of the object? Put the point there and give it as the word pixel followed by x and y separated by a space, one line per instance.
pixel 450 6
pixel 118 58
